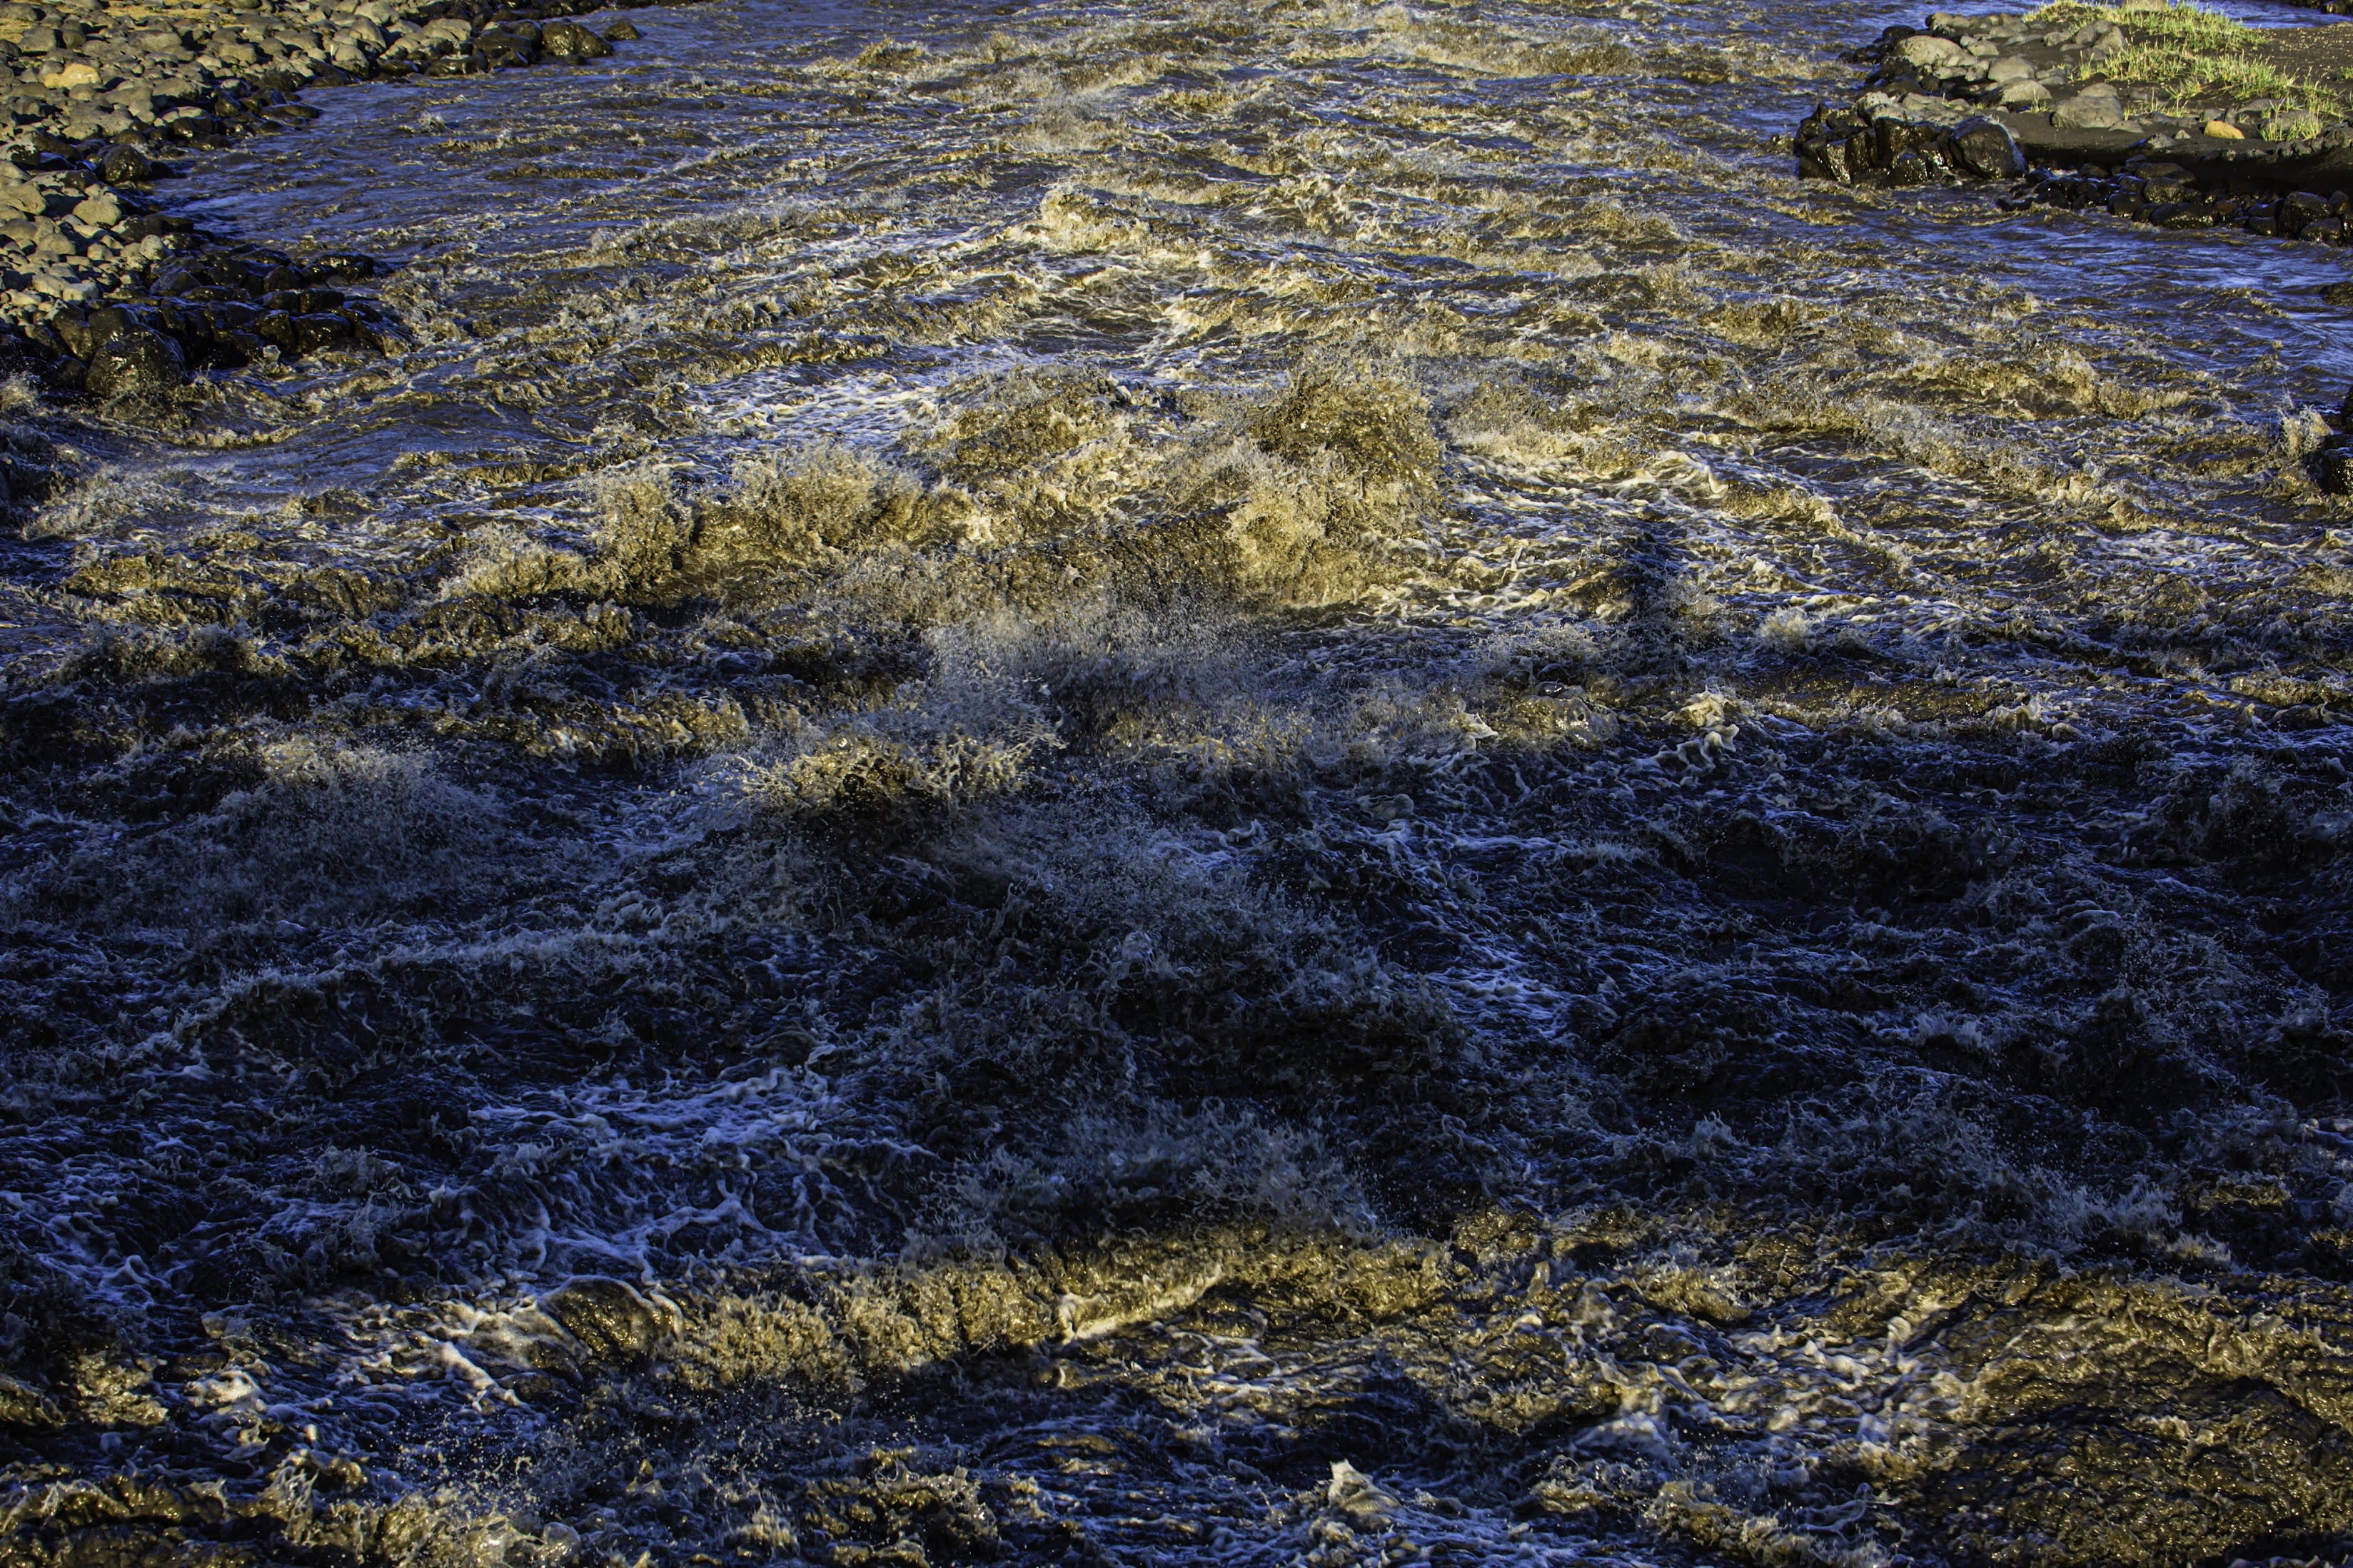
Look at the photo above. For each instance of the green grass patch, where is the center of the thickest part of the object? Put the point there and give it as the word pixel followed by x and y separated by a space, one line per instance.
pixel 2191 54
pixel 2191 77
pixel 2188 27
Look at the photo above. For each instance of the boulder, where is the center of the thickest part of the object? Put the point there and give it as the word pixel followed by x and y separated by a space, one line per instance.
pixel 313 333
pixel 2090 110
pixel 2298 210
pixel 2336 469
pixel 1921 49
pixel 1984 148
pixel 126 165
pixel 135 361
pixel 571 41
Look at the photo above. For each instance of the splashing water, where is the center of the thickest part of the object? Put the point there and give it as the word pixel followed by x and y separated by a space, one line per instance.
pixel 1257 783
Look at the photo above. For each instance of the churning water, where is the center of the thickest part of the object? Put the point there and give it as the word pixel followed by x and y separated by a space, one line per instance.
pixel 1224 783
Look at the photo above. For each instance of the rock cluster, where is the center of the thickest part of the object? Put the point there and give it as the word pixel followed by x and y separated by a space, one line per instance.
pixel 2167 194
pixel 83 72
pixel 1986 98
pixel 230 306
pixel 127 298
pixel 1907 149
pixel 1999 61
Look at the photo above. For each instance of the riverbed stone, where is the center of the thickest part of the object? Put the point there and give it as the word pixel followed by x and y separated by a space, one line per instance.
pixel 135 360
pixel 570 40
pixel 94 91
pixel 2337 471
pixel 1923 49
pixel 1986 149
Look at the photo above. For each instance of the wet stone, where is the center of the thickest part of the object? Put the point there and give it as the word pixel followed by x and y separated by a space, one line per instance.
pixel 135 361
pixel 570 40
pixel 1986 149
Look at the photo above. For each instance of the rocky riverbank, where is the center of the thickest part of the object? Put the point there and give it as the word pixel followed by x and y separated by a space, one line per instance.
pixel 2033 98
pixel 101 290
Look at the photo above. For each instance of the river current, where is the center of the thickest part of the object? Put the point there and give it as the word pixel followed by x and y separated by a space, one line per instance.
pixel 1226 784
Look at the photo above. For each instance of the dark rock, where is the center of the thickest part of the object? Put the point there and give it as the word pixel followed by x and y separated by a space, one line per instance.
pixel 234 347
pixel 505 50
pixel 1913 167
pixel 2337 471
pixel 147 224
pixel 2299 209
pixel 73 329
pixel 341 264
pixel 571 41
pixel 276 327
pixel 621 31
pixel 314 334
pixel 125 165
pixel 135 360
pixel 379 335
pixel 2182 214
pixel 1986 149
pixel 2338 294
pixel 2325 231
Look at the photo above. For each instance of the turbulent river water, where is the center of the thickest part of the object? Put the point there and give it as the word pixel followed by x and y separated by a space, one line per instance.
pixel 1226 784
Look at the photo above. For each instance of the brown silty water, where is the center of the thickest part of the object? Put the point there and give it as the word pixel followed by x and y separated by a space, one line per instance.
pixel 1185 783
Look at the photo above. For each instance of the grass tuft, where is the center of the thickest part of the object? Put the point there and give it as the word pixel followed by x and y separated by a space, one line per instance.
pixel 2190 53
